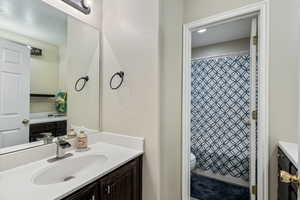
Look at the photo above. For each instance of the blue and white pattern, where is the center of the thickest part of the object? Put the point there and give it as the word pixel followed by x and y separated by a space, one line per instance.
pixel 220 106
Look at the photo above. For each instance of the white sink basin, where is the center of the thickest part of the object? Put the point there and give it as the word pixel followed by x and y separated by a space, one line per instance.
pixel 68 169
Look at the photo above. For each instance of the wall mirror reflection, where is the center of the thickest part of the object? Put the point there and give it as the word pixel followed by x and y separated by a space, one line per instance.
pixel 43 52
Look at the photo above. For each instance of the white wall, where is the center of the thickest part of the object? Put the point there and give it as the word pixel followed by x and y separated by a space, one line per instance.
pixel 130 43
pixel 222 48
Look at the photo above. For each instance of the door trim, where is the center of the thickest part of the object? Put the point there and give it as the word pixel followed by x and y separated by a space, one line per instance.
pixel 261 10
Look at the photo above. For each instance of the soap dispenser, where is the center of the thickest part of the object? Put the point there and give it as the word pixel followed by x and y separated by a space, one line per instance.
pixel 82 141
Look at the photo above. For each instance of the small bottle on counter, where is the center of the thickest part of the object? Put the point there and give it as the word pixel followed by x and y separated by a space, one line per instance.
pixel 82 141
pixel 72 133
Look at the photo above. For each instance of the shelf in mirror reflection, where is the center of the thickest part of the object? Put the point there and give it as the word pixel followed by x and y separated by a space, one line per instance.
pixel 42 95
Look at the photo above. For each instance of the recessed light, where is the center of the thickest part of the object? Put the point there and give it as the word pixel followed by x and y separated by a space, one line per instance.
pixel 202 30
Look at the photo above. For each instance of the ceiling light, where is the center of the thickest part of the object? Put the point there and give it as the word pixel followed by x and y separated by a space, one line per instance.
pixel 202 30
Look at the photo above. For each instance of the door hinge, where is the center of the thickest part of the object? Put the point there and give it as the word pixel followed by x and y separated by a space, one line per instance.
pixel 254 115
pixel 254 189
pixel 255 40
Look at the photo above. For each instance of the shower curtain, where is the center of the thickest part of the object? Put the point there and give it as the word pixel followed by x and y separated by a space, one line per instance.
pixel 220 110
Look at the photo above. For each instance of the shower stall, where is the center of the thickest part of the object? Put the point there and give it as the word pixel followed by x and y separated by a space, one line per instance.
pixel 220 111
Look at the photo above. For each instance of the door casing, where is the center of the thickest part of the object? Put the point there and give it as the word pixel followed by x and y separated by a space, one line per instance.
pixel 261 10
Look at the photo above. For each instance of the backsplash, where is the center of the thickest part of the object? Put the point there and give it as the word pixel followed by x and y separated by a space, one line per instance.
pixel 220 106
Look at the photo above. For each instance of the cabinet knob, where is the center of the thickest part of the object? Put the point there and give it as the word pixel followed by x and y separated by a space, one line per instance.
pixel 286 177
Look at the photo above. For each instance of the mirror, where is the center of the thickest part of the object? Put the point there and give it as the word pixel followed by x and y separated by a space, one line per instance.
pixel 43 53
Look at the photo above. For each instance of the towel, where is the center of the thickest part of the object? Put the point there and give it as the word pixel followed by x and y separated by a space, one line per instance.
pixel 61 102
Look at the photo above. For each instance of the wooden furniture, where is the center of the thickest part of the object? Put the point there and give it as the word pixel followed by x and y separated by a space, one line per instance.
pixel 286 191
pixel 58 128
pixel 124 183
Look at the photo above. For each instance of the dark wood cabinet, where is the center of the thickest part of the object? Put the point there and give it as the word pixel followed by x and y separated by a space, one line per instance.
pixel 58 128
pixel 124 183
pixel 286 191
pixel 90 192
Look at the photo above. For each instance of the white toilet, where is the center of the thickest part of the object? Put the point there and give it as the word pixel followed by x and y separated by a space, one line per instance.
pixel 192 161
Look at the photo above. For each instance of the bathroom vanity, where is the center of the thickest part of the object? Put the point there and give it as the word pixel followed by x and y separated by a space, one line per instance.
pixel 124 183
pixel 287 161
pixel 110 170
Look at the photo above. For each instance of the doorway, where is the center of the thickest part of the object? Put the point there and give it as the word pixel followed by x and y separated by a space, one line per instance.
pixel 224 106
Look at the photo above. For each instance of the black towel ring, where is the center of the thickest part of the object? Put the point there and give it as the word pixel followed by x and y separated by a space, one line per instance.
pixel 121 75
pixel 85 79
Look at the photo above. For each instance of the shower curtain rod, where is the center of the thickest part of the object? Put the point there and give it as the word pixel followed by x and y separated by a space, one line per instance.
pixel 239 53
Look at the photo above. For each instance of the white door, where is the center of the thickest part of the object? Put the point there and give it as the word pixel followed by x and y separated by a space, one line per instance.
pixel 14 93
pixel 253 108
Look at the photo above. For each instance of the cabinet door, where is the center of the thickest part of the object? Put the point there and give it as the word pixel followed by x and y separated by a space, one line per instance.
pixel 283 164
pixel 88 193
pixel 122 184
pixel 293 195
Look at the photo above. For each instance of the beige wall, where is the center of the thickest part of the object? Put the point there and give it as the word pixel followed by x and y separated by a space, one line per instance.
pixel 80 57
pixel 130 43
pixel 83 108
pixel 283 80
pixel 44 70
pixel 170 98
pixel 197 9
pixel 222 48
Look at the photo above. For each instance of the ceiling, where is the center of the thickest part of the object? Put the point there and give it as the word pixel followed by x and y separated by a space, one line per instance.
pixel 35 19
pixel 221 33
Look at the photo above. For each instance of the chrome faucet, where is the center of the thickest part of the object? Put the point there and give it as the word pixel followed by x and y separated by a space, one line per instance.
pixel 61 147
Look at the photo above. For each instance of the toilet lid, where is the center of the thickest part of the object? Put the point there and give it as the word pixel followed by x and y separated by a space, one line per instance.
pixel 193 157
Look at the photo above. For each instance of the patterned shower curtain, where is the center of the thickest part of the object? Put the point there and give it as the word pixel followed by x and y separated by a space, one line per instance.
pixel 220 108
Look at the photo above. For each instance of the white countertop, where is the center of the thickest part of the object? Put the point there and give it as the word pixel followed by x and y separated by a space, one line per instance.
pixel 37 118
pixel 47 119
pixel 17 183
pixel 291 151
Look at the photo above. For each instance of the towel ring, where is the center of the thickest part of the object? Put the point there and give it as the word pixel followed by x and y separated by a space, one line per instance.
pixel 121 75
pixel 85 79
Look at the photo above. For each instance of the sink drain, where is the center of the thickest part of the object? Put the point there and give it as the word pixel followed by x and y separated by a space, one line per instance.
pixel 68 178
